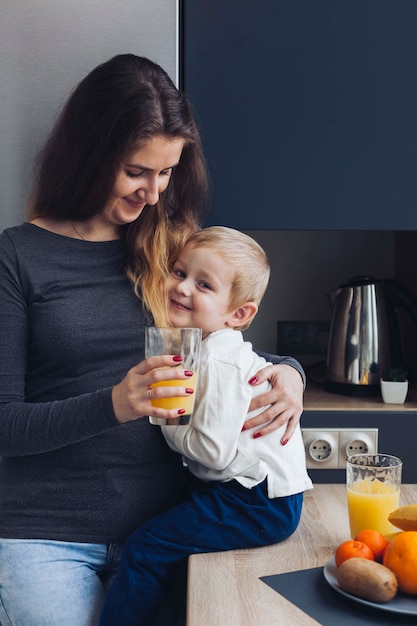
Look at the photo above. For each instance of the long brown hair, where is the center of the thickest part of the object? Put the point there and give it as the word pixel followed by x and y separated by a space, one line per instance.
pixel 114 110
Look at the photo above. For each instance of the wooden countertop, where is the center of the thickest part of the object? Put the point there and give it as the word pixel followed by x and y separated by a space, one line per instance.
pixel 224 587
pixel 316 399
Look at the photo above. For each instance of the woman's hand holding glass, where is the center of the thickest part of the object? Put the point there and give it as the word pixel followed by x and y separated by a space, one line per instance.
pixel 132 396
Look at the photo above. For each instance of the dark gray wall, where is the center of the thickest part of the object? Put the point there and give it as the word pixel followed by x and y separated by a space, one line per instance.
pixel 308 110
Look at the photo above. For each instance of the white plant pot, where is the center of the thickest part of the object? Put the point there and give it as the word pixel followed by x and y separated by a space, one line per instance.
pixel 394 392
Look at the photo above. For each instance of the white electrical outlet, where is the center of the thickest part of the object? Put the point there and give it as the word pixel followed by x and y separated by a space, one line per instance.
pixel 322 448
pixel 356 441
pixel 327 448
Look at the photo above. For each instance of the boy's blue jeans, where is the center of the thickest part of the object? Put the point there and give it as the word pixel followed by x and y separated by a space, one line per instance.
pixel 215 517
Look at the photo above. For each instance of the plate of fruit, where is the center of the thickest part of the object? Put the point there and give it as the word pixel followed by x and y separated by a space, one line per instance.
pixel 379 571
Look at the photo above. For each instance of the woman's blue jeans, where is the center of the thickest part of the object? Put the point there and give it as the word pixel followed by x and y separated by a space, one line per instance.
pixel 54 583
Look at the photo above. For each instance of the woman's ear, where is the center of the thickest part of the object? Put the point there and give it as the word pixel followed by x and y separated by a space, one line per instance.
pixel 243 315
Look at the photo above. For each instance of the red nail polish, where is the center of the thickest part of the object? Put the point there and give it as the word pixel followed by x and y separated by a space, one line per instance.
pixel 257 435
pixel 188 390
pixel 181 411
pixel 177 358
pixel 254 380
pixel 188 372
pixel 284 442
pixel 243 429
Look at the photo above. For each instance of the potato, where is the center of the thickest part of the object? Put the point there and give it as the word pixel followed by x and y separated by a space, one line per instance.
pixel 367 579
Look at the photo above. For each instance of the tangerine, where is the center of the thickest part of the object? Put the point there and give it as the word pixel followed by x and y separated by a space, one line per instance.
pixel 351 548
pixel 374 540
pixel 400 557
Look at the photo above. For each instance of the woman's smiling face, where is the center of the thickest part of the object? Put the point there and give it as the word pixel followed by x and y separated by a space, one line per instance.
pixel 143 176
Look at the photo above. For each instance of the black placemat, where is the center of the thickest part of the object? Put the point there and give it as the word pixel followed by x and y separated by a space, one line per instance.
pixel 309 590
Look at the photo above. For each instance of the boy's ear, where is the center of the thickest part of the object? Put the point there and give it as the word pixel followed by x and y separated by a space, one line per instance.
pixel 243 314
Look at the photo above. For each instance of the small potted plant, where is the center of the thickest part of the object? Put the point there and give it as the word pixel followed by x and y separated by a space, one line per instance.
pixel 394 385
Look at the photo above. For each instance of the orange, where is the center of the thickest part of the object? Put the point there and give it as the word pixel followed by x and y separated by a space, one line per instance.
pixel 374 540
pixel 351 548
pixel 400 557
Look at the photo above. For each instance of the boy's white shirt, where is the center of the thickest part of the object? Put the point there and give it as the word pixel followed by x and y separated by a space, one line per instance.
pixel 215 447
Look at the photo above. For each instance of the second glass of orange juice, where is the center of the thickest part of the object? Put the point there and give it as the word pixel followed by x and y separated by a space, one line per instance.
pixel 373 491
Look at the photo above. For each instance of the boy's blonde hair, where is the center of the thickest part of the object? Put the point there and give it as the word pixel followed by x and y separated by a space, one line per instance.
pixel 245 255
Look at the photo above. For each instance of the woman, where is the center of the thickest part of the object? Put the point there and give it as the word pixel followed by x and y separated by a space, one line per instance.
pixel 119 186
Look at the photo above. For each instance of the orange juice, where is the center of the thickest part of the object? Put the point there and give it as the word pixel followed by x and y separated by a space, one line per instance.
pixel 369 504
pixel 177 402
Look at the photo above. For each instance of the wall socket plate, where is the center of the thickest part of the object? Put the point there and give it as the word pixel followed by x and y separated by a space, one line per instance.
pixel 302 337
pixel 328 448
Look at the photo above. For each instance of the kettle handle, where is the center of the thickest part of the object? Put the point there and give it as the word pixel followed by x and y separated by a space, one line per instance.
pixel 401 297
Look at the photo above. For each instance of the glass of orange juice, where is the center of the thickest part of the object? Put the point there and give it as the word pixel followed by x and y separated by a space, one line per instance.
pixel 373 491
pixel 176 341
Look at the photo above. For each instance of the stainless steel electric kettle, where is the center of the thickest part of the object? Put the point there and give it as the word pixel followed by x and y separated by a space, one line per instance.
pixel 367 334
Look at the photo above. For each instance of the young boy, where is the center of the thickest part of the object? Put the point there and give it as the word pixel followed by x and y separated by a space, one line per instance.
pixel 245 491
